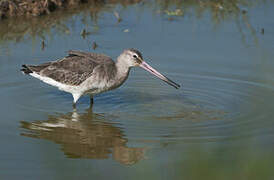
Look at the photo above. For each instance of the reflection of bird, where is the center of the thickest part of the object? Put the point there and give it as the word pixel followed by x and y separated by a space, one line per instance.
pixel 90 73
pixel 84 136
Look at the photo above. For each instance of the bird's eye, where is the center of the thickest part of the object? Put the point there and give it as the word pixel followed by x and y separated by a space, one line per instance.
pixel 135 56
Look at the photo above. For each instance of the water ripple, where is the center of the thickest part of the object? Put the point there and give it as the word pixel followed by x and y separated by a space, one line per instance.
pixel 207 108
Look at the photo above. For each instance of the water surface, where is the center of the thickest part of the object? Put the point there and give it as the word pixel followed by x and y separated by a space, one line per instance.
pixel 219 125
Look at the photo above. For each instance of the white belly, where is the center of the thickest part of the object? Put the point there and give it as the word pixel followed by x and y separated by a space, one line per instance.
pixel 90 86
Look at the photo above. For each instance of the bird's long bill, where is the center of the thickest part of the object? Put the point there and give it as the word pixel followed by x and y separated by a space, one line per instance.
pixel 150 69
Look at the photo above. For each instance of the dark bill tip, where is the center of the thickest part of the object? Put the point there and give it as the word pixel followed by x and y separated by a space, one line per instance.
pixel 153 71
pixel 172 83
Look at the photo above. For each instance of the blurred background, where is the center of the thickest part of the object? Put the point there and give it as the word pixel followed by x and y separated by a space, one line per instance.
pixel 219 125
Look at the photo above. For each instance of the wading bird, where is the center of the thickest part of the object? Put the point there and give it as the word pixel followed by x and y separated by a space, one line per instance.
pixel 82 73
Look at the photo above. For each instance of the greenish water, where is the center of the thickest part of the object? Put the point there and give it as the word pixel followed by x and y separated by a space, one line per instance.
pixel 219 125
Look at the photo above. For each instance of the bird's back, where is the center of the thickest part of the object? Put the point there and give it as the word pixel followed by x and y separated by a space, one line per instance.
pixel 74 68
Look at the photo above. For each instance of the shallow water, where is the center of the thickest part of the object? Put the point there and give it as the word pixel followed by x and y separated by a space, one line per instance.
pixel 219 125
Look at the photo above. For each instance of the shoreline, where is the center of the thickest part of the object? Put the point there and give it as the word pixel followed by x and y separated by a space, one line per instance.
pixel 32 8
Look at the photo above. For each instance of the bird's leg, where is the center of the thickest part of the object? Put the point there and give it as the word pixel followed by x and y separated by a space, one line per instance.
pixel 91 102
pixel 74 105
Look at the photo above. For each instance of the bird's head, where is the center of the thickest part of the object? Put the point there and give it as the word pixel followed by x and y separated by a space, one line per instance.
pixel 133 58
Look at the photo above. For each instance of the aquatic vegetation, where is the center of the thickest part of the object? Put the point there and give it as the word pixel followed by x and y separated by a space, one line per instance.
pixel 41 27
pixel 177 12
pixel 94 45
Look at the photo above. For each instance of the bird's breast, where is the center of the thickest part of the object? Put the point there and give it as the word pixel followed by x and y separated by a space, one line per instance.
pixel 95 85
pixel 98 83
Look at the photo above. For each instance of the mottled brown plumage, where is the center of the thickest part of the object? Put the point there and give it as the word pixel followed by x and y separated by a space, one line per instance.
pixel 76 67
pixel 82 73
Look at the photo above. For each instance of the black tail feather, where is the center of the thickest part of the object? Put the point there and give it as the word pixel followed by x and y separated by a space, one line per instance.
pixel 25 69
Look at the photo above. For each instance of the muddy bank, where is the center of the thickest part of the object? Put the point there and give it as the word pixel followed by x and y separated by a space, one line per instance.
pixel 21 28
pixel 12 8
pixel 27 27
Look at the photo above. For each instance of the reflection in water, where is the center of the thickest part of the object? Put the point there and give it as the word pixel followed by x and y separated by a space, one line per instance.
pixel 229 163
pixel 84 136
pixel 62 22
pixel 20 28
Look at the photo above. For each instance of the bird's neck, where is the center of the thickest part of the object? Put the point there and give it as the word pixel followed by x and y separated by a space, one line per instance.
pixel 122 70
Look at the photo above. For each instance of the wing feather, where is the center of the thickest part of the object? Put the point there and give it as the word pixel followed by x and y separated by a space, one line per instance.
pixel 75 68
